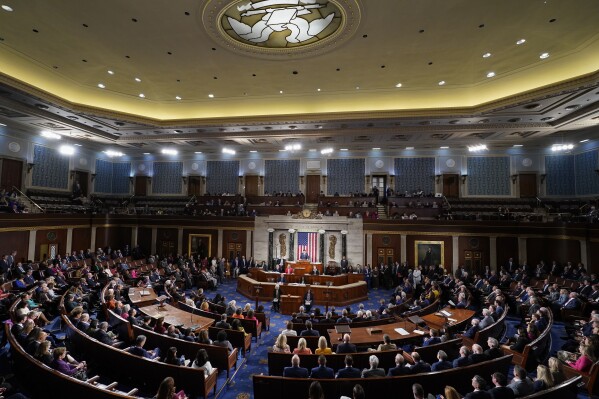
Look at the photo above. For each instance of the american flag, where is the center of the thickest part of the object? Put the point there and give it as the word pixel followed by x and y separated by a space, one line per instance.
pixel 308 242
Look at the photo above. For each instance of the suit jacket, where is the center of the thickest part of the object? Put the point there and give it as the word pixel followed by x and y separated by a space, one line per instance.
pixel 486 322
pixel 522 388
pixel 478 395
pixel 501 393
pixel 494 353
pixel 478 357
pixel 349 372
pixel 398 370
pixel 420 367
pixel 471 332
pixel 310 333
pixel 372 373
pixel 572 303
pixel 346 348
pixel 322 372
pixel 103 337
pixel 441 365
pixel 295 372
pixel 461 361
pixel 520 344
pixel 431 341
pixel 223 324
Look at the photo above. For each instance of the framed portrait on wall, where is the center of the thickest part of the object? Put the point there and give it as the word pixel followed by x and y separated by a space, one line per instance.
pixel 429 253
pixel 199 244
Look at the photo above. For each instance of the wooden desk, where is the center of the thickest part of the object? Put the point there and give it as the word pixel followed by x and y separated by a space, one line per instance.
pixel 137 299
pixel 273 277
pixel 364 335
pixel 290 303
pixel 302 267
pixel 177 317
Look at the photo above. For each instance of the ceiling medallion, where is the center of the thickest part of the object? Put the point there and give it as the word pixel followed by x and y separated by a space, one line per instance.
pixel 281 28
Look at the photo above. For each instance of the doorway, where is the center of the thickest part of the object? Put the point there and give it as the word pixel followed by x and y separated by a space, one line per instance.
pixel 451 185
pixel 195 186
pixel 141 186
pixel 380 182
pixel 234 249
pixel 251 186
pixel 528 185
pixel 312 188
pixel 12 174
pixel 82 178
pixel 385 256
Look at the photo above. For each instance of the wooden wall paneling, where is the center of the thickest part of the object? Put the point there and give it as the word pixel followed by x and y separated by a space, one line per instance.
pixel 251 185
pixel 233 237
pixel 15 241
pixel 411 239
pixel 82 239
pixel 12 174
pixel 507 247
pixel 144 240
pixel 312 188
pixel 141 186
pixel 385 242
pixel 528 185
pixel 43 238
pixel 166 241
pixel 478 244
pixel 550 249
pixel 113 236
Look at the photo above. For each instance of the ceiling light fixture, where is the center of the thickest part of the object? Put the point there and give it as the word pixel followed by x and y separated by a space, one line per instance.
pixel 110 72
pixel 441 83
pixel 210 95
pixel 584 141
pixel 544 55
pixel 280 91
pixel 66 149
pixel 229 151
pixel 146 153
pixel 293 147
pixel 169 151
pixel 7 8
pixel 101 86
pixel 491 74
pixel 326 151
pixel 137 80
pixel 444 147
pixel 343 149
pixel 398 85
pixel 562 147
pixel 409 148
pixel 141 95
pixel 521 41
pixel 197 152
pixel 112 154
pixel 312 150
pixel 486 55
pixel 253 151
pixel 518 145
pixel 2 124
pixel 376 148
pixel 177 98
pixel 78 145
pixel 51 135
pixel 477 148
pixel 317 89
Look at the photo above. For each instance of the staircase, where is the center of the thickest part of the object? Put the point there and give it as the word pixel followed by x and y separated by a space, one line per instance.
pixel 382 211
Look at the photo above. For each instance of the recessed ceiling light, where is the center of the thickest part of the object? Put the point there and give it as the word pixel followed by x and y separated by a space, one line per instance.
pixel 168 151
pixel 2 124
pixel 441 83
pixel 198 152
pixel 51 135
pixel 177 98
pixel 518 145
pixel 101 86
pixel 311 150
pixel 486 55
pixel 490 74
pixel 444 147
pixel 112 153
pixel 142 95
pixel 6 8
pixel 357 87
pixel 253 151
pixel 280 91
pixel 138 80
pixel 584 141
pixel 282 150
pixel 521 41
pixel 146 153
pixel 210 95
pixel 110 72
pixel 66 149
pixel 398 85
pixel 409 148
pixel 343 149
pixel 78 145
pixel 228 151
pixel 544 55
pixel 317 89
pixel 376 148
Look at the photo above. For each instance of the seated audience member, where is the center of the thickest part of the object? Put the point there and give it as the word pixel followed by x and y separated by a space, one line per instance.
pixel 103 335
pixel 521 384
pixel 280 345
pixel 470 332
pixel 433 339
pixel 289 329
pixel 203 338
pixel 138 349
pixel 478 355
pixel 237 314
pixel 323 348
pixel 315 391
pixel 463 359
pixel 322 371
pixel 494 351
pixel 556 371
pixel 451 393
pixel 478 383
pixel 223 322
pixel 302 348
pixel 521 341
pixel 60 364
pixel 44 353
pixel 167 390
pixel 442 363
pixel 236 325
pixel 584 362
pixel 500 390
pixel 295 370
pixel 309 331
pixel 544 378
pixel 417 391
pixel 344 319
pixel 250 316
pixel 487 319
pixel 221 340
pixel 358 392
pixel 400 368
pixel 172 358
pixel 387 345
pixel 419 366
pixel 159 327
pixel 374 370
pixel 346 346
pixel 349 371
pixel 202 362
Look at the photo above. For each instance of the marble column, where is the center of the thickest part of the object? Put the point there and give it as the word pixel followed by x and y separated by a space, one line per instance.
pixel 92 244
pixel 69 246
pixel 493 252
pixel 522 250
pixel 134 235
pixel 180 241
pixel 32 243
pixel 583 254
pixel 343 244
pixel 154 237
pixel 455 253
pixel 291 254
pixel 249 249
pixel 368 249
pixel 219 243
pixel 404 248
pixel 270 245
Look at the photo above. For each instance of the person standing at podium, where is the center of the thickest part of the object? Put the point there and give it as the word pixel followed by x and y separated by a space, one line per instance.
pixel 308 298
pixel 304 255
pixel 344 264
pixel 276 301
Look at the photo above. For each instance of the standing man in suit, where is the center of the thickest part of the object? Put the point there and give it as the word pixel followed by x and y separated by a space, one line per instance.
pixel 322 371
pixel 308 299
pixel 304 256
pixel 346 346
pixel 349 371
pixel 295 370
pixel 344 265
pixel 276 300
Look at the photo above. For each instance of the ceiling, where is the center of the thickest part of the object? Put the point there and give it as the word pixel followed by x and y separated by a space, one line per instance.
pixel 53 56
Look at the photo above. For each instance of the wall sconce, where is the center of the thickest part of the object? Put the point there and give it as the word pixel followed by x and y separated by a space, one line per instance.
pixel 437 178
pixel 149 178
pixel 204 180
pixel 30 166
pixel 514 178
pixel 184 178
pixel 543 178
pixel 324 180
pixel 131 179
pixel 72 174
pixel 93 176
pixel 464 177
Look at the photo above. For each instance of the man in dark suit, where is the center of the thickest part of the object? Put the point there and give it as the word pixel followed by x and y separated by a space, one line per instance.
pixel 276 300
pixel 138 349
pixel 419 366
pixel 223 322
pixel 344 265
pixel 433 339
pixel 349 371
pixel 478 354
pixel 443 363
pixel 494 351
pixel 315 271
pixel 346 346
pixel 470 332
pixel 500 391
pixel 399 368
pixel 102 334
pixel 478 383
pixel 309 331
pixel 463 360
pixel 322 371
pixel 304 256
pixel 344 319
pixel 295 370
pixel 511 266
pixel 573 302
pixel 374 370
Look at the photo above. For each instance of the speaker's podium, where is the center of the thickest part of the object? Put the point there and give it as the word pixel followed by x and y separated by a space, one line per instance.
pixel 290 304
